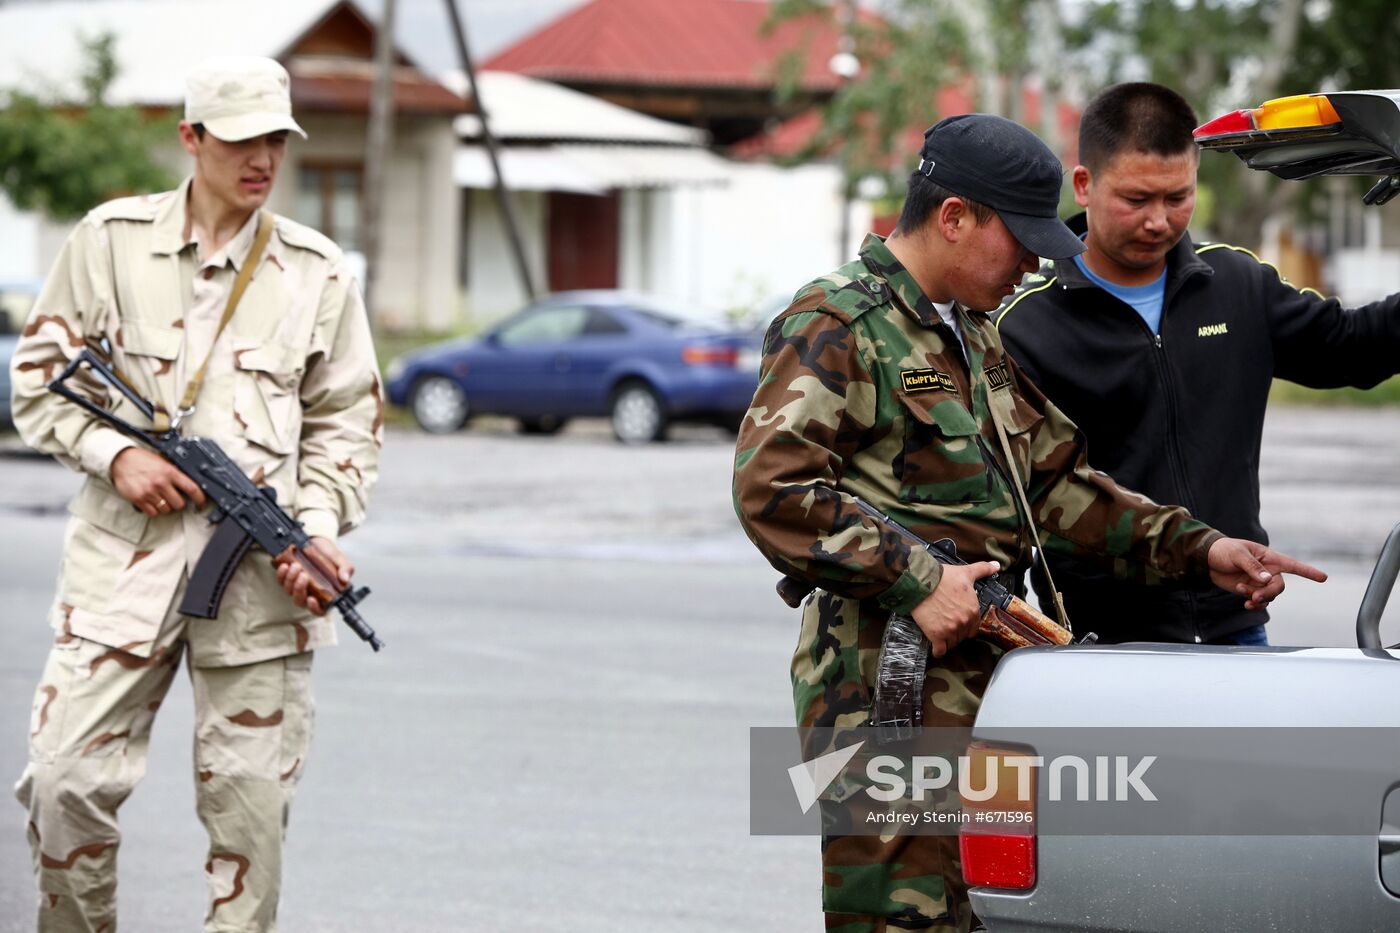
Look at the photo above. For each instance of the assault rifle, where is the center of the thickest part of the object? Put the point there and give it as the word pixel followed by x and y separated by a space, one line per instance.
pixel 1007 620
pixel 245 514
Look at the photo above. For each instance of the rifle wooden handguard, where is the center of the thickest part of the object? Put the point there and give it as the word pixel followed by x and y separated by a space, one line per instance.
pixel 1020 625
pixel 323 585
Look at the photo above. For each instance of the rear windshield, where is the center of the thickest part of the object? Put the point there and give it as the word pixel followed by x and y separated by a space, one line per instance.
pixel 676 320
pixel 666 319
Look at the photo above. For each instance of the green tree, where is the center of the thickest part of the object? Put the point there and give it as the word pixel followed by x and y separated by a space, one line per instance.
pixel 1351 47
pixel 904 59
pixel 1220 54
pixel 908 50
pixel 66 157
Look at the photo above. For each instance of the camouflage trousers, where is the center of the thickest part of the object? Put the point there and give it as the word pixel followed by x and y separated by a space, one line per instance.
pixel 89 736
pixel 872 884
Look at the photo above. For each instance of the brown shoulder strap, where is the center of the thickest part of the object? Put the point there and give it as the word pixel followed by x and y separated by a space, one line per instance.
pixel 163 422
pixel 1026 514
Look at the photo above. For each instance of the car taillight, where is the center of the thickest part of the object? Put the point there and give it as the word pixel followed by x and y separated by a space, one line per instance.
pixel 997 860
pixel 1237 121
pixel 1301 111
pixel 997 840
pixel 703 355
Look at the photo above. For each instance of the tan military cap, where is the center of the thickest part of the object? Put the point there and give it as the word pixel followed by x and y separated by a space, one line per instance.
pixel 239 98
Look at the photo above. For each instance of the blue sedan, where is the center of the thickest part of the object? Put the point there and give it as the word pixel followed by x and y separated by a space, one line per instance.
pixel 574 354
pixel 16 298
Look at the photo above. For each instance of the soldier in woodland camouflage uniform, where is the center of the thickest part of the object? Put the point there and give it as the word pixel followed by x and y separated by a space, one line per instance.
pixel 292 395
pixel 870 388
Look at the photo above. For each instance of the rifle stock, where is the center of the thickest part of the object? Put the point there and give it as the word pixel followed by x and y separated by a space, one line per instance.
pixel 1019 625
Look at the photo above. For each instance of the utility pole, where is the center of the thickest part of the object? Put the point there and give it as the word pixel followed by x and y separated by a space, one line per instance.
pixel 976 20
pixel 846 66
pixel 381 124
pixel 1047 57
pixel 503 198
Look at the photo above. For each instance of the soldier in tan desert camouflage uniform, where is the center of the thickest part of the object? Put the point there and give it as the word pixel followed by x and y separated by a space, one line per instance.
pixel 886 380
pixel 292 394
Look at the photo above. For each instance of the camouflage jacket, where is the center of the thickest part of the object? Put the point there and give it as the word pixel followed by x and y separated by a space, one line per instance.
pixel 865 391
pixel 291 393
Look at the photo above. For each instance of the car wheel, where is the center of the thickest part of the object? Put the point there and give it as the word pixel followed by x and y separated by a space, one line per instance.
pixel 546 425
pixel 637 414
pixel 439 405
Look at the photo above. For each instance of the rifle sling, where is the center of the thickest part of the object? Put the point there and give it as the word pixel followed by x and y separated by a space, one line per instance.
pixel 160 419
pixel 240 285
pixel 1026 514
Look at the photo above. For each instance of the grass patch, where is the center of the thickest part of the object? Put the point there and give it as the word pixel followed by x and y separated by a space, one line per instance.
pixel 1290 393
pixel 388 345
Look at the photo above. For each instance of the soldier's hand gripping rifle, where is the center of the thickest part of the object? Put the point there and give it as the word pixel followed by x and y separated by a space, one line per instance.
pixel 245 514
pixel 1007 620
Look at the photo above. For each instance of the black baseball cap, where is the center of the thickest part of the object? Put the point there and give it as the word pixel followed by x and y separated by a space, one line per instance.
pixel 1005 166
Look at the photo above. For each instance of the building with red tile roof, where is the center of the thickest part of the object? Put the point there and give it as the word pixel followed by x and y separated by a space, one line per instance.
pixel 708 63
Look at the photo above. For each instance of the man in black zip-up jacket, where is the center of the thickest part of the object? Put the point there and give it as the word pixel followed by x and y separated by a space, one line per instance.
pixel 1162 351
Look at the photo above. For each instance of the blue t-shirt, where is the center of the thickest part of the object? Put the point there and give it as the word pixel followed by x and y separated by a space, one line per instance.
pixel 1146 300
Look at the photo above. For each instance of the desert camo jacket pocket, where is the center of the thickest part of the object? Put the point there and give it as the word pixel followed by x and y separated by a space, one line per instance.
pixel 266 399
pixel 146 356
pixel 941 462
pixel 104 539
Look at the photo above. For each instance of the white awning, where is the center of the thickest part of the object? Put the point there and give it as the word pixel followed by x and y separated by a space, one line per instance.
pixel 524 108
pixel 591 169
pixel 523 170
pixel 649 166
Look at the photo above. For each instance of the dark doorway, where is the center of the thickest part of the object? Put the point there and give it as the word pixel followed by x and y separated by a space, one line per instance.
pixel 582 241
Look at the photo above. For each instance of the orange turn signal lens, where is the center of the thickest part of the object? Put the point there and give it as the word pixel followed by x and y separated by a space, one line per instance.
pixel 1296 112
pixel 999 778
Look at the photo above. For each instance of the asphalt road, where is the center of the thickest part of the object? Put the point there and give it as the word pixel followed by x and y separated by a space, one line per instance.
pixel 579 638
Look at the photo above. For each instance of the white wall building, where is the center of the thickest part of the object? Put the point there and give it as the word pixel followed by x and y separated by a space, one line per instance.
pixel 611 198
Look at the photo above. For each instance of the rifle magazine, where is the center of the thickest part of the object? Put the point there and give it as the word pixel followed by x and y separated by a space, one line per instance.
pixel 898 706
pixel 211 576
